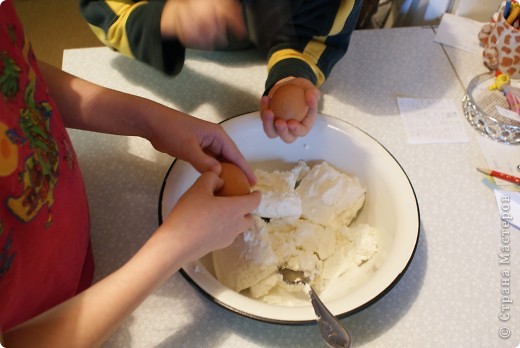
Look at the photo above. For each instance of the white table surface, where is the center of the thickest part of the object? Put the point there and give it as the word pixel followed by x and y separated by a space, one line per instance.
pixel 450 295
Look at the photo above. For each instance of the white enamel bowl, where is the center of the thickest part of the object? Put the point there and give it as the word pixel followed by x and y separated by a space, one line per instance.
pixel 391 207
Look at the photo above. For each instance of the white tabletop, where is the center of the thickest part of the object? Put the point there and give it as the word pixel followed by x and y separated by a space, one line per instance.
pixel 451 294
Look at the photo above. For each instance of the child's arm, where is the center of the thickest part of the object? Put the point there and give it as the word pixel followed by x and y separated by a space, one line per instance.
pixel 318 38
pixel 133 28
pixel 87 106
pixel 198 224
pixel 157 32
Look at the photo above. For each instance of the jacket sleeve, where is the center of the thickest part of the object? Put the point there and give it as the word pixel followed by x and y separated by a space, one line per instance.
pixel 313 41
pixel 133 29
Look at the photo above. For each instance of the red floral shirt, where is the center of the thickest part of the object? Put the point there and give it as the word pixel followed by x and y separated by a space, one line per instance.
pixel 45 255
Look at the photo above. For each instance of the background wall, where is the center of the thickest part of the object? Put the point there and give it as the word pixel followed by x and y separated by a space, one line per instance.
pixel 475 9
pixel 429 12
pixel 54 25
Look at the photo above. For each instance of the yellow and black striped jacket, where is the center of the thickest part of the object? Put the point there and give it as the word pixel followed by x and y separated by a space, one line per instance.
pixel 305 41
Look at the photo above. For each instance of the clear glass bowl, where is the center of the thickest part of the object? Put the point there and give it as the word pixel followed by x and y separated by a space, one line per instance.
pixel 496 127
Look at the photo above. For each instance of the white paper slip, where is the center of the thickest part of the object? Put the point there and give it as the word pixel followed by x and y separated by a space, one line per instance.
pixel 508 113
pixel 459 32
pixel 431 121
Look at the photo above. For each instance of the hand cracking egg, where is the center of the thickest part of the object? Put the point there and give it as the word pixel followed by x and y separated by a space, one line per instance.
pixel 235 181
pixel 288 102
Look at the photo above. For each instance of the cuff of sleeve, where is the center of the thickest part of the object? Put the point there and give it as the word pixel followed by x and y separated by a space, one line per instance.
pixel 173 55
pixel 165 55
pixel 289 67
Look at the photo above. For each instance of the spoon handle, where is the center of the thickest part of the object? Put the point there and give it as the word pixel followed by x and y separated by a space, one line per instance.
pixel 334 334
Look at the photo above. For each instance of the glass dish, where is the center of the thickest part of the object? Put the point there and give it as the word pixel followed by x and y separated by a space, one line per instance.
pixel 478 105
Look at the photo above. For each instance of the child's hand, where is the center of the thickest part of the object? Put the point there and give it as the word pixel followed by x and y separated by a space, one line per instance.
pixel 201 143
pixel 201 222
pixel 290 130
pixel 202 24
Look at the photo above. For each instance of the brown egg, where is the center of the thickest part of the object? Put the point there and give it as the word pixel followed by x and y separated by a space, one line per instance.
pixel 288 102
pixel 235 181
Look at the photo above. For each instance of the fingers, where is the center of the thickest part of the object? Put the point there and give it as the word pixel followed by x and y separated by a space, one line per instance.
pixel 282 129
pixel 241 205
pixel 250 202
pixel 209 182
pixel 301 129
pixel 210 33
pixel 203 222
pixel 208 145
pixel 235 19
pixel 267 117
pixel 209 163
pixel 312 96
pixel 246 168
pixel 290 130
pixel 202 24
pixel 273 127
pixel 230 152
pixel 202 161
pixel 218 36
pixel 244 205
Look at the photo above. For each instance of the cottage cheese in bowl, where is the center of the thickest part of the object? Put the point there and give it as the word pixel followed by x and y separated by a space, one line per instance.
pixel 304 224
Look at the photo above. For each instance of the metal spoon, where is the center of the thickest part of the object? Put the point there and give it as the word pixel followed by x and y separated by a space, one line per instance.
pixel 334 334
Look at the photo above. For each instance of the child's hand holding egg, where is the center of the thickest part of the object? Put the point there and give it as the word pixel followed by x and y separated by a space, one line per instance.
pixel 290 109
